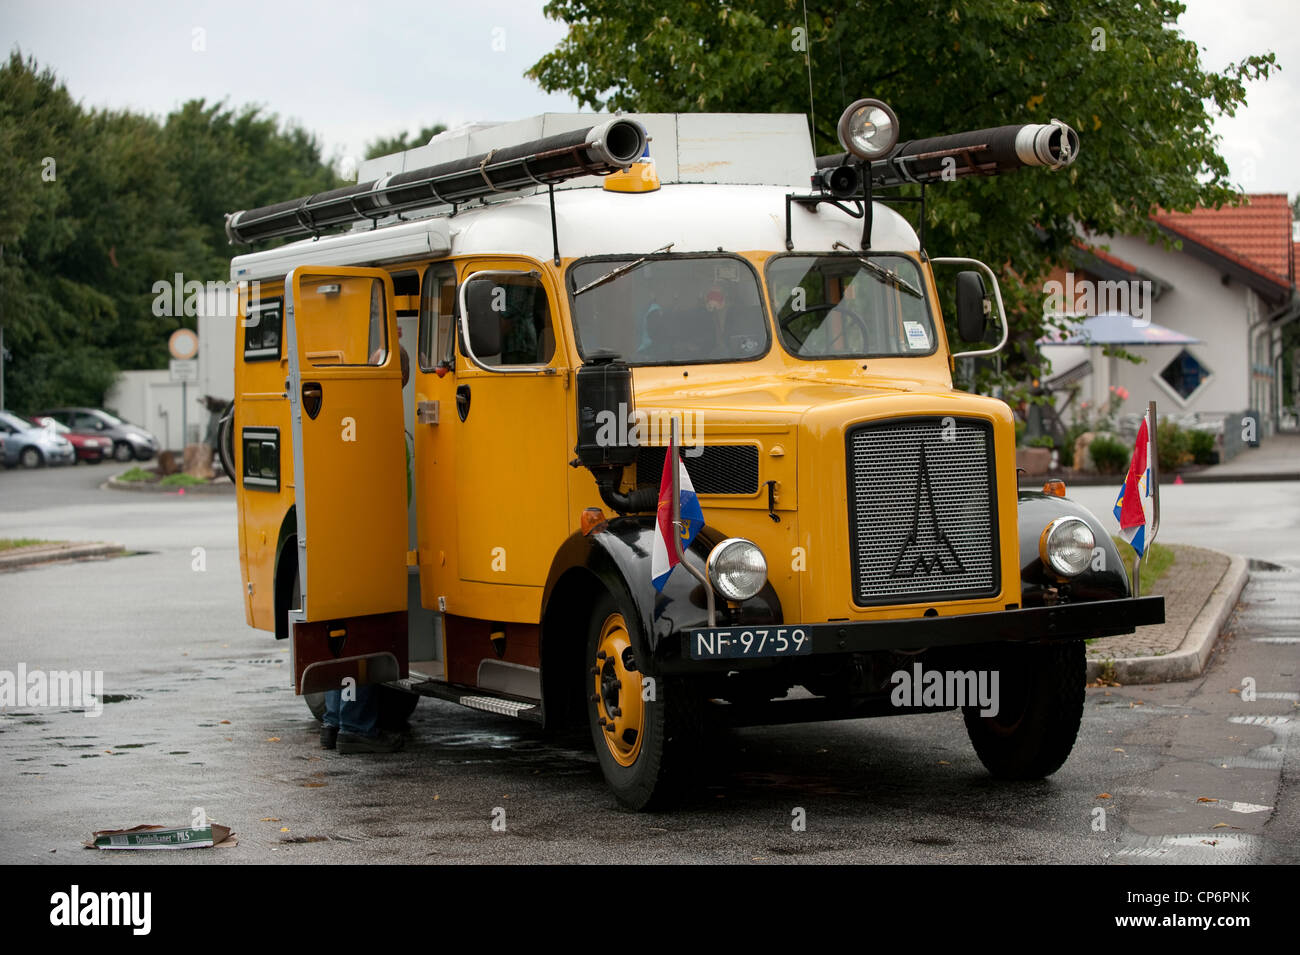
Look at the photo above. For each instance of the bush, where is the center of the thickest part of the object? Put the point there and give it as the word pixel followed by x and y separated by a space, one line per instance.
pixel 135 474
pixel 1173 447
pixel 1072 434
pixel 1201 446
pixel 1042 441
pixel 1020 433
pixel 1109 454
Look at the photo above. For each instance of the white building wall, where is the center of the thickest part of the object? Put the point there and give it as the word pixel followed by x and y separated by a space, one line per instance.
pixel 153 401
pixel 1199 305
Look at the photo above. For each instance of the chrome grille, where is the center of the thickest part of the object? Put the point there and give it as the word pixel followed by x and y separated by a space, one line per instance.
pixel 715 469
pixel 922 511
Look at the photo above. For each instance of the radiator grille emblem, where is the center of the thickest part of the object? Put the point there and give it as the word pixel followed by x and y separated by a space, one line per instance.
pixel 927 549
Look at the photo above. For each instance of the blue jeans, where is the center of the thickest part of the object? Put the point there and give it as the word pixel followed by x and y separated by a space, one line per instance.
pixel 359 716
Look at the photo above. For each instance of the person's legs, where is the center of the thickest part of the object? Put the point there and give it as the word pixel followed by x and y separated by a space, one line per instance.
pixel 361 716
pixel 329 728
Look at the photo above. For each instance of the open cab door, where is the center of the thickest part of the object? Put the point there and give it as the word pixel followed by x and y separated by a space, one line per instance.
pixel 349 468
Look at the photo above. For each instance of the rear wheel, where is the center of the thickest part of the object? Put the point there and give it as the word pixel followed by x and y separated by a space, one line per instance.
pixel 31 457
pixel 226 440
pixel 646 731
pixel 1040 707
pixel 122 452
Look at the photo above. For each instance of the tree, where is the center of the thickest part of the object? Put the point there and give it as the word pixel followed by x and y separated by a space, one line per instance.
pixel 101 205
pixel 1118 71
pixel 396 144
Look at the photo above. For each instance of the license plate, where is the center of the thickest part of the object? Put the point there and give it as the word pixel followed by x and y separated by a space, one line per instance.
pixel 743 642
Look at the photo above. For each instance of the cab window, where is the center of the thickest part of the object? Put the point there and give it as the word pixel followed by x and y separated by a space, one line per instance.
pixel 437 317
pixel 512 311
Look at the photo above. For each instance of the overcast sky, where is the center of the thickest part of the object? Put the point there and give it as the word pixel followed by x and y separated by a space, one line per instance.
pixel 352 72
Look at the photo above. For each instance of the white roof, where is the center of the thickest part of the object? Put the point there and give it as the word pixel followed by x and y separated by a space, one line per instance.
pixel 693 217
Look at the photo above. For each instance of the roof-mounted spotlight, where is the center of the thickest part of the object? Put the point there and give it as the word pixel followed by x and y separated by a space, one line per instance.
pixel 868 129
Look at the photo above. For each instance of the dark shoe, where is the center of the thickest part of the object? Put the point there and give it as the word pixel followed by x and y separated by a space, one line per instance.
pixel 328 736
pixel 385 742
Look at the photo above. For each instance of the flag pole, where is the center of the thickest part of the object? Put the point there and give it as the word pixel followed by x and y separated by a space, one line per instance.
pixel 698 574
pixel 1153 460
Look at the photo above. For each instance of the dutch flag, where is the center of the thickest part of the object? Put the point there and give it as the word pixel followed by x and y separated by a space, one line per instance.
pixel 664 557
pixel 1132 506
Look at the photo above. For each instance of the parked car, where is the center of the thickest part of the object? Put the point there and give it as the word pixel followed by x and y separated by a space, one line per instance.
pixel 90 448
pixel 129 441
pixel 33 445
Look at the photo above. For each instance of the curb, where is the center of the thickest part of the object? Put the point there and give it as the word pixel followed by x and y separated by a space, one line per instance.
pixel 147 487
pixel 58 552
pixel 1188 661
pixel 1034 482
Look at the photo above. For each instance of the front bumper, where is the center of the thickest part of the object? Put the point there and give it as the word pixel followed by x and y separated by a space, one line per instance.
pixel 1051 624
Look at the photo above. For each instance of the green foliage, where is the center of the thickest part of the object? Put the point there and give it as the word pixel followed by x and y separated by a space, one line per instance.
pixel 1142 105
pixel 100 205
pixel 1201 446
pixel 395 144
pixel 1155 563
pixel 1109 454
pixel 1042 441
pixel 1173 447
pixel 12 543
pixel 181 480
pixel 1072 434
pixel 136 473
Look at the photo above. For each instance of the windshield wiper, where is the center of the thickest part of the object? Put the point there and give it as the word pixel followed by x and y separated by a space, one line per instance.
pixel 622 269
pixel 893 278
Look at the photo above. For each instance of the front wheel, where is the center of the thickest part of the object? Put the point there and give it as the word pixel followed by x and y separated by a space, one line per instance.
pixel 646 731
pixel 122 452
pixel 31 458
pixel 1040 707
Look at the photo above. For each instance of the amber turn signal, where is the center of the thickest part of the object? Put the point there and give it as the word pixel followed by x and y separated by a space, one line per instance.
pixel 1054 488
pixel 593 519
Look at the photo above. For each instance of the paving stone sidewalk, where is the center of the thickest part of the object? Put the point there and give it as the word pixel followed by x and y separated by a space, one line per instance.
pixel 1200 589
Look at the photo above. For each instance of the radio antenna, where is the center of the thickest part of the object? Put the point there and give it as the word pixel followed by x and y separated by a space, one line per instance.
pixel 807 53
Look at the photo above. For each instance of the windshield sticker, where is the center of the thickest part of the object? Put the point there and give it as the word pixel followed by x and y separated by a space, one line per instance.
pixel 917 339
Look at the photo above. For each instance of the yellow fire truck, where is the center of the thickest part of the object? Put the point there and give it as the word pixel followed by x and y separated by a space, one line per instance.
pixel 571 290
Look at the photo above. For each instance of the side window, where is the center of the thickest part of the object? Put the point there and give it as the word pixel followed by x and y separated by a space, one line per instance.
pixel 262 325
pixel 83 422
pixel 437 316
pixel 509 319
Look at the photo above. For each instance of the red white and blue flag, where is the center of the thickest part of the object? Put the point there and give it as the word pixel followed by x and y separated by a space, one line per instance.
pixel 664 557
pixel 1132 508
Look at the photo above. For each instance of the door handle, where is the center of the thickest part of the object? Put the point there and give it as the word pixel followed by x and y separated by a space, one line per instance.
pixel 462 401
pixel 312 398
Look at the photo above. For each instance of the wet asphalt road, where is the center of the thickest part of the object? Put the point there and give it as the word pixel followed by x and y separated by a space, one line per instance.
pixel 179 662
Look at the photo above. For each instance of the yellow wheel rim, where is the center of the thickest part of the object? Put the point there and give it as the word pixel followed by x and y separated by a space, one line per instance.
pixel 620 710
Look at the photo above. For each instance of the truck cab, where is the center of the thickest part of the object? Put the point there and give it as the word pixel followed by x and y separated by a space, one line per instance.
pixel 480 528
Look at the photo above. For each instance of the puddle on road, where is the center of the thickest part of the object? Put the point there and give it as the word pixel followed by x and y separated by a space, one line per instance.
pixel 1255 565
pixel 119 697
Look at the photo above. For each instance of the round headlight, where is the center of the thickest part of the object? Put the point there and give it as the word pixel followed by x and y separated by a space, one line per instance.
pixel 868 129
pixel 1066 546
pixel 737 568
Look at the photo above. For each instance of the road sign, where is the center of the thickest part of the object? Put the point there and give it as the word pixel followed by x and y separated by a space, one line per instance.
pixel 183 344
pixel 185 370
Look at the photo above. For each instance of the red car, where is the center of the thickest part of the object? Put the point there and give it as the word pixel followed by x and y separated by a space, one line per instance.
pixel 90 448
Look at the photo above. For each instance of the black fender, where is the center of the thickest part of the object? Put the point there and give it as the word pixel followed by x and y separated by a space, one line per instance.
pixel 1107 579
pixel 618 556
pixel 286 563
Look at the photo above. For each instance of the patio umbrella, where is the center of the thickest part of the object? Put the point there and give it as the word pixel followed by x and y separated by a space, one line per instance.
pixel 1116 328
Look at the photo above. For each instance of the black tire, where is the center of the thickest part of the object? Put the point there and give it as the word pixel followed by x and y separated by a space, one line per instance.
pixel 661 767
pixel 31 457
pixel 226 440
pixel 1041 690
pixel 122 452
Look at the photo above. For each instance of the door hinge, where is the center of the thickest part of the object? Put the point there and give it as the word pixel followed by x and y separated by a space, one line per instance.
pixel 412 558
pixel 426 412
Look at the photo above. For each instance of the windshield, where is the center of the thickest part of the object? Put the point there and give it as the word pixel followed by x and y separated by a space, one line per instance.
pixel 669 310
pixel 850 306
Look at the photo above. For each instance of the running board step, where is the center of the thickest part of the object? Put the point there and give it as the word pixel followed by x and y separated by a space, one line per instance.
pixel 480 699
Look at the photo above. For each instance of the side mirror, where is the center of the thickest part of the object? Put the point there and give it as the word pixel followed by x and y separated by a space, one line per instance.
pixel 483 320
pixel 972 320
pixel 100 426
